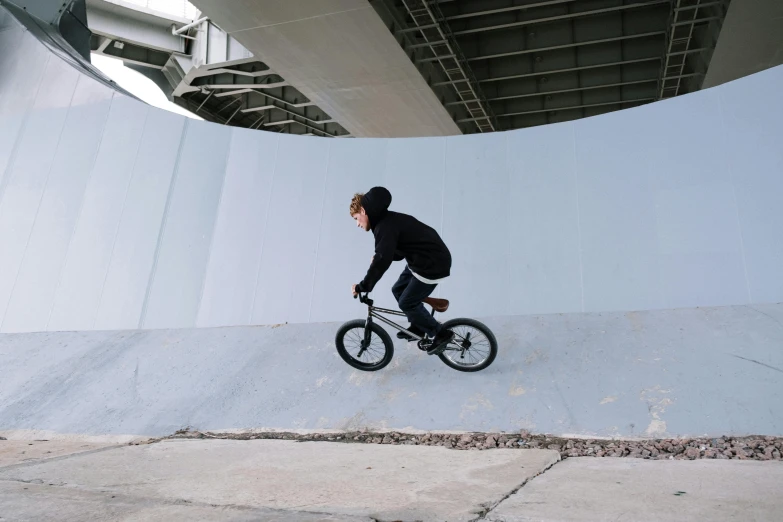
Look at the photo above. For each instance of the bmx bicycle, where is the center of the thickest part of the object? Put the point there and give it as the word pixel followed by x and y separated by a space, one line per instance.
pixel 366 346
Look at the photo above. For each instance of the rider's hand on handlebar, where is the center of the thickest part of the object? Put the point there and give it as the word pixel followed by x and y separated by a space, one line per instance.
pixel 353 291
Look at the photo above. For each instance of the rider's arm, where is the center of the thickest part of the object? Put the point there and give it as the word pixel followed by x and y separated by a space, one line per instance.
pixel 385 248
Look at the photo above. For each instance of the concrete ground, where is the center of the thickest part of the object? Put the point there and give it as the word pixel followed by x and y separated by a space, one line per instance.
pixel 271 480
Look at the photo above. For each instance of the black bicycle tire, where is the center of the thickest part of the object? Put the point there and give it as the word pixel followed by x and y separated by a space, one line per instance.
pixel 493 345
pixel 383 334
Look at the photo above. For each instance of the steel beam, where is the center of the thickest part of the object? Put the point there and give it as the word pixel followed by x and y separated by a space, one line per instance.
pixel 427 44
pixel 689 51
pixel 699 6
pixel 564 46
pixel 508 9
pixel 563 91
pixel 697 21
pixel 558 71
pixel 689 75
pixel 572 107
pixel 217 86
pixel 562 17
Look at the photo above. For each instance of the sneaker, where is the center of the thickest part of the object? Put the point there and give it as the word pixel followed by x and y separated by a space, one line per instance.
pixel 412 329
pixel 440 342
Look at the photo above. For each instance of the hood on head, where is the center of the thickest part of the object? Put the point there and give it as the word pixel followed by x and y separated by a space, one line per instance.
pixel 376 203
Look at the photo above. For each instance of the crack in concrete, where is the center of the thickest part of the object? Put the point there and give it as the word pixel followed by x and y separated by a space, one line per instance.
pixel 131 499
pixel 757 362
pixel 492 506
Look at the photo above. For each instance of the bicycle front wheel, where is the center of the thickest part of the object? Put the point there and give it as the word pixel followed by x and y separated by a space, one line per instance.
pixel 473 348
pixel 369 356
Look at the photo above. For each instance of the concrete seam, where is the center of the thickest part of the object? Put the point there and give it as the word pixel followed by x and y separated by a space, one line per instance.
pixel 122 214
pixel 79 214
pixel 578 218
pixel 263 233
pixel 301 19
pixel 514 491
pixel 162 229
pixel 38 206
pixel 734 195
pixel 443 195
pixel 12 159
pixel 14 150
pixel 508 234
pixel 117 495
pixel 214 228
pixel 10 467
pixel 320 222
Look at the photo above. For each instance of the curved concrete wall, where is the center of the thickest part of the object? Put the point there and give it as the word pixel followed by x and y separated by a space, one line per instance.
pixel 116 215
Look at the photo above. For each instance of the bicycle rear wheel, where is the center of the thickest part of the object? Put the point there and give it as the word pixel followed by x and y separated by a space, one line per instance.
pixel 474 346
pixel 370 356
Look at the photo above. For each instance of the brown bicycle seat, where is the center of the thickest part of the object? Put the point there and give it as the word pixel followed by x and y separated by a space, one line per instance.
pixel 439 305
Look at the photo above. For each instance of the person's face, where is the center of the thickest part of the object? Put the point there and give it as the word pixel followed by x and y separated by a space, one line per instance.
pixel 362 221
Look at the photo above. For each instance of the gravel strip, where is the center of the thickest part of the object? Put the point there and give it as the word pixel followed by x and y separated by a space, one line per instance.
pixel 752 447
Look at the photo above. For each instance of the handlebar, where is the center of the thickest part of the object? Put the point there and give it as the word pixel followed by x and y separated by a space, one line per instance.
pixel 364 298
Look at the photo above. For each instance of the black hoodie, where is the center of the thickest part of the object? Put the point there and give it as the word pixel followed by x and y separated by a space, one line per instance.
pixel 400 236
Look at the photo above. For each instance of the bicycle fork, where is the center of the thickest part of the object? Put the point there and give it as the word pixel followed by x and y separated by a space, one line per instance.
pixel 367 336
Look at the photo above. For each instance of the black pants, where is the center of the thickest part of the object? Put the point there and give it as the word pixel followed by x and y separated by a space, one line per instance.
pixel 409 293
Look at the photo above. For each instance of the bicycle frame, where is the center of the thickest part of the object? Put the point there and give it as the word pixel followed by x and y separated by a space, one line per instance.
pixel 375 312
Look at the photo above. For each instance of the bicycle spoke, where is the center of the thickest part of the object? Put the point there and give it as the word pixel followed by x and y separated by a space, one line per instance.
pixel 477 353
pixel 372 354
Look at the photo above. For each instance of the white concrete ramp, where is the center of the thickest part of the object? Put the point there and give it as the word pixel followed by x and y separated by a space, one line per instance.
pixel 712 371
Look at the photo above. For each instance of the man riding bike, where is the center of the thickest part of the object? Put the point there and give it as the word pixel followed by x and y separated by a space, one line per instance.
pixel 397 237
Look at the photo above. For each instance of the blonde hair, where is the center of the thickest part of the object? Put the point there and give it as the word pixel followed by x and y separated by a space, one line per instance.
pixel 356 203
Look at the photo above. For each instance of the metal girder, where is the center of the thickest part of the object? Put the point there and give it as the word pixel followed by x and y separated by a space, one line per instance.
pixel 572 107
pixel 508 9
pixel 562 17
pixel 216 86
pixel 563 91
pixel 697 21
pixel 699 6
pixel 690 51
pixel 563 46
pixel 426 44
pixel 559 71
pixel 305 125
pixel 292 113
pixel 689 75
pixel 429 21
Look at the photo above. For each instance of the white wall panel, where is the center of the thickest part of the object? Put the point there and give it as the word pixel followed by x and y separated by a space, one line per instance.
pixel 22 63
pixel 229 287
pixel 753 113
pixel 344 250
pixel 81 282
pixel 183 251
pixel 476 224
pixel 617 212
pixel 58 211
pixel 414 174
pixel 285 277
pixel 133 250
pixel 699 247
pixel 545 269
pixel 673 204
pixel 26 177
